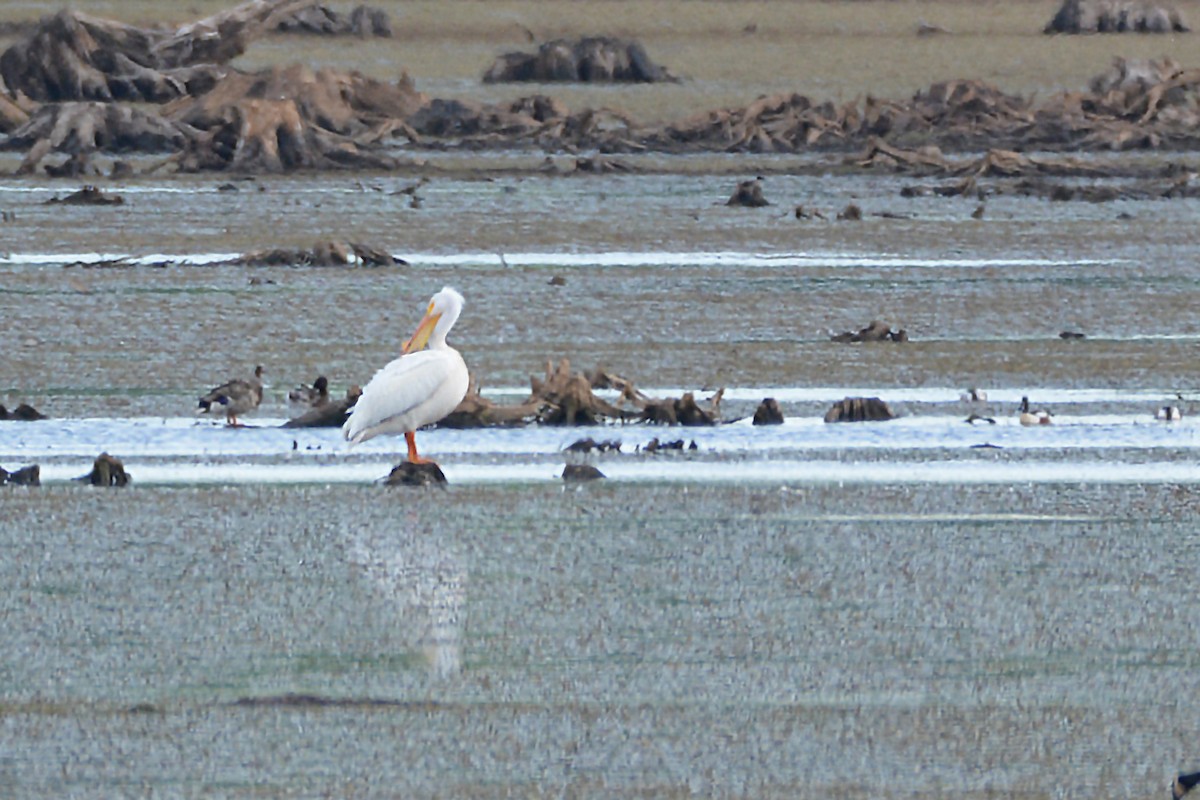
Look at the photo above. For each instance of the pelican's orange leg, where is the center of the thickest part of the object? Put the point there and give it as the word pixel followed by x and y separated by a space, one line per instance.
pixel 413 458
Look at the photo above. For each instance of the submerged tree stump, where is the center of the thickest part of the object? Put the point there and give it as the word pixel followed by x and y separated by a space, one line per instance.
pixel 320 20
pixel 25 476
pixel 293 118
pixel 592 59
pixel 748 194
pixel 82 129
pixel 768 412
pixel 107 471
pixel 75 56
pixel 581 473
pixel 407 473
pixel 1115 16
pixel 22 413
pixel 859 409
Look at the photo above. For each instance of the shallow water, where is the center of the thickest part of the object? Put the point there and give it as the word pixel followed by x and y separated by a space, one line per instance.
pixel 615 640
pixel 884 609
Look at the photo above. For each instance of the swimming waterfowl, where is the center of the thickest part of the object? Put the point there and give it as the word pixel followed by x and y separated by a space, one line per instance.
pixel 420 387
pixel 973 395
pixel 1184 784
pixel 1038 416
pixel 304 397
pixel 234 397
pixel 1169 414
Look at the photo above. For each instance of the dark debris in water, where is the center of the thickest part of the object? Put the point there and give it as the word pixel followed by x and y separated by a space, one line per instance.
pixel 22 413
pixel 25 476
pixel 409 474
pixel 579 473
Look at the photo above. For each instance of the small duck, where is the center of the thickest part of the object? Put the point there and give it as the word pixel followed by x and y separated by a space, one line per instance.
pixel 1037 416
pixel 1169 414
pixel 236 396
pixel 304 397
pixel 973 395
pixel 1184 784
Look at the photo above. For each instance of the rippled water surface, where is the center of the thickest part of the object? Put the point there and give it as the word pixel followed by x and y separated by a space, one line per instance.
pixel 915 607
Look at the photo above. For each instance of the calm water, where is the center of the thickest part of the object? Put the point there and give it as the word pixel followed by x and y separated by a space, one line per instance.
pixel 880 610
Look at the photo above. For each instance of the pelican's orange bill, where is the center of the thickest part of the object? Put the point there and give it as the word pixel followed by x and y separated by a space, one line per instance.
pixel 424 330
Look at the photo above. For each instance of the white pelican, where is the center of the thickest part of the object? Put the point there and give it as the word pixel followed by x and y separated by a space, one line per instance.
pixel 235 396
pixel 1036 417
pixel 418 388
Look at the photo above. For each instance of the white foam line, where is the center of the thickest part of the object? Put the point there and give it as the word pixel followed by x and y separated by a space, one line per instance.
pixel 610 259
pixel 791 472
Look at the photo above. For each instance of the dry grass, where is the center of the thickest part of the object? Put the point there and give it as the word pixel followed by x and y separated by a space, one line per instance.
pixel 729 52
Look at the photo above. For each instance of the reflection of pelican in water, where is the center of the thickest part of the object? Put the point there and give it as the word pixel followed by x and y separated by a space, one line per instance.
pixel 411 566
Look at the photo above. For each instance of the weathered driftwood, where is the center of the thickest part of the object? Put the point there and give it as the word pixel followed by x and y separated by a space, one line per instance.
pixel 12 114
pixel 328 253
pixel 330 414
pixel 75 56
pixel 655 446
pixel 768 412
pixel 592 59
pixel 1115 16
pixel 859 409
pixel 476 411
pixel 25 476
pixel 748 194
pixel 23 413
pixel 407 473
pixel 876 331
pixel 318 19
pixel 106 471
pixel 568 398
pixel 87 196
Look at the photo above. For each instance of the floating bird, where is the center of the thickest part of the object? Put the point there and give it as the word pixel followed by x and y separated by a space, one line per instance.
pixel 418 388
pixel 1169 414
pixel 1184 784
pixel 304 397
pixel 973 395
pixel 1037 416
pixel 237 396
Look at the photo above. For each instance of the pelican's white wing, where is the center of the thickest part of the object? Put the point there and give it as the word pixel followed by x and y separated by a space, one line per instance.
pixel 415 390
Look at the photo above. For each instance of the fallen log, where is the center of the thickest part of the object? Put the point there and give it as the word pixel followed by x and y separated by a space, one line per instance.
pixel 329 253
pixel 87 196
pixel 330 414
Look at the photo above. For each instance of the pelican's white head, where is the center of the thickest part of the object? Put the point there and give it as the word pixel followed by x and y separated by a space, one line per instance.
pixel 440 316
